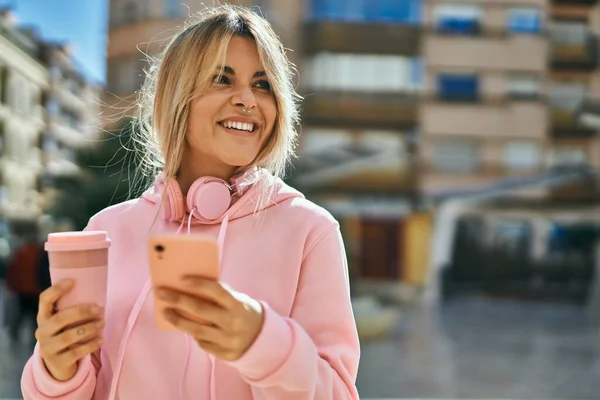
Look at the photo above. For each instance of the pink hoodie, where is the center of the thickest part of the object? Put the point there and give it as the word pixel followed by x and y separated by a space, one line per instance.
pixel 291 258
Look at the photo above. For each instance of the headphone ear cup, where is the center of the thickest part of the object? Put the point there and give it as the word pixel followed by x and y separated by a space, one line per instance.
pixel 210 198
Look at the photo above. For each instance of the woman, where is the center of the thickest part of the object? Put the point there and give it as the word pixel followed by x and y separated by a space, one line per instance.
pixel 279 324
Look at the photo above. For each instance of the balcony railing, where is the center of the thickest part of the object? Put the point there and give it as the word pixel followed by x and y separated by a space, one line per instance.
pixel 361 37
pixel 358 109
pixel 565 123
pixel 585 56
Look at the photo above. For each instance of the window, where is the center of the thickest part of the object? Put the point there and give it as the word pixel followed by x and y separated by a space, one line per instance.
pixel 566 95
pixel 523 87
pixel 174 8
pixel 14 90
pixel 405 11
pixel 567 157
pixel 524 20
pixel 393 10
pixel 522 155
pixel 456 156
pixel 356 72
pixel 123 12
pixel 2 136
pixel 461 19
pixel 458 87
pixel 328 9
pixel 25 99
pixel 513 236
pixel 3 83
pixel 573 33
pixel 53 107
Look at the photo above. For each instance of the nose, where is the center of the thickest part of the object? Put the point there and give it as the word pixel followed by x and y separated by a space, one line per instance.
pixel 244 97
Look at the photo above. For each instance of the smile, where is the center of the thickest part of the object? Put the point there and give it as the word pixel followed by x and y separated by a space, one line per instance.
pixel 239 126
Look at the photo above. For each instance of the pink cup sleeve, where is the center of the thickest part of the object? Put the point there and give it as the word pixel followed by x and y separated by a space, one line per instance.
pixel 90 285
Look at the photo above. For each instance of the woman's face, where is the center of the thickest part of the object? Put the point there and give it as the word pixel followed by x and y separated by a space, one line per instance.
pixel 219 131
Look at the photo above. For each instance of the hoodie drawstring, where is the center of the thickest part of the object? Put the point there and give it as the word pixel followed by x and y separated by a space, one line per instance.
pixel 135 311
pixel 137 308
pixel 211 358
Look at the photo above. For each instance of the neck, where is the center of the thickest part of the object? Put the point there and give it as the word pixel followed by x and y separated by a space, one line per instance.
pixel 189 172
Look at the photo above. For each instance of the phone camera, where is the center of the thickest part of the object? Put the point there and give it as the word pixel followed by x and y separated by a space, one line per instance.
pixel 159 248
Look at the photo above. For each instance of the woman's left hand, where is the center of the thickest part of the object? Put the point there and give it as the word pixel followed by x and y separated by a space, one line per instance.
pixel 229 321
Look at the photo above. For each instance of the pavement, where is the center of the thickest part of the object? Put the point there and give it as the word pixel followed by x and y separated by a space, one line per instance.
pixel 466 349
pixel 483 349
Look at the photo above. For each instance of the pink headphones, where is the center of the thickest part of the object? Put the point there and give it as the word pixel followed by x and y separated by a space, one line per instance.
pixel 208 197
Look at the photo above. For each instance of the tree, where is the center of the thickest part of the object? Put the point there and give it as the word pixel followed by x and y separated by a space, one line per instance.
pixel 107 172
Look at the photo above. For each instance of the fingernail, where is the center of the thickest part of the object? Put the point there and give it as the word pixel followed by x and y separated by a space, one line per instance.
pixel 96 310
pixel 100 324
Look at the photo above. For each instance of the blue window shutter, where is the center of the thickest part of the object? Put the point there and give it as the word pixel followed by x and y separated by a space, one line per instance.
pixel 415 11
pixel 327 9
pixel 524 22
pixel 458 87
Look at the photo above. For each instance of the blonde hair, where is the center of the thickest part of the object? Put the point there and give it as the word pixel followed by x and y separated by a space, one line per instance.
pixel 184 71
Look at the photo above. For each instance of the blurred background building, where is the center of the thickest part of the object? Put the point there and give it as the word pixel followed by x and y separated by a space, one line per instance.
pixel 47 110
pixel 23 80
pixel 414 105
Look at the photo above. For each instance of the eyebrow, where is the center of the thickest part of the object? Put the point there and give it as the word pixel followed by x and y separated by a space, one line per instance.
pixel 228 70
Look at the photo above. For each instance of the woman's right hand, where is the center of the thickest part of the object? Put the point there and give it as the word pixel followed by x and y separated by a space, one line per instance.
pixel 66 336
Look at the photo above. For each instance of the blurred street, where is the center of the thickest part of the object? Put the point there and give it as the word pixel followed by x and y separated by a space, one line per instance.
pixel 481 348
pixel 474 348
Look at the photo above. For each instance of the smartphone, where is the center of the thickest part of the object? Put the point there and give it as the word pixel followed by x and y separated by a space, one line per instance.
pixel 173 256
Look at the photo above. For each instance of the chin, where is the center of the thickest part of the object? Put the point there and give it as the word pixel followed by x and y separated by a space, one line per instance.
pixel 238 162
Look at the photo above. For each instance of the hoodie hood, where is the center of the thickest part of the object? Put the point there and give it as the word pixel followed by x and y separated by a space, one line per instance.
pixel 258 185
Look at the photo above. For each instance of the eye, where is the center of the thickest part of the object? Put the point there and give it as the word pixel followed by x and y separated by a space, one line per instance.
pixel 221 80
pixel 262 84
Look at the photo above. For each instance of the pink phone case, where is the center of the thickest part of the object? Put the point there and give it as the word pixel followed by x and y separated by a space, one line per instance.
pixel 174 256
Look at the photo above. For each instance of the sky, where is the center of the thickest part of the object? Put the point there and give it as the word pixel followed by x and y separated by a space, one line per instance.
pixel 82 23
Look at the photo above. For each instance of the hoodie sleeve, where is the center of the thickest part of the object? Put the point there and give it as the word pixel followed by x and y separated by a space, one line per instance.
pixel 38 384
pixel 317 351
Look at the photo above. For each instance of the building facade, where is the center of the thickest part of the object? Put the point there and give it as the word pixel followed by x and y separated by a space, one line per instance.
pixel 48 110
pixel 405 100
pixel 23 81
pixel 574 75
pixel 72 106
pixel 483 115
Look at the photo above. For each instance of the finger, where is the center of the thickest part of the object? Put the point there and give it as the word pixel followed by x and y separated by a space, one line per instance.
pixel 77 352
pixel 49 297
pixel 196 330
pixel 203 309
pixel 71 316
pixel 211 290
pixel 78 334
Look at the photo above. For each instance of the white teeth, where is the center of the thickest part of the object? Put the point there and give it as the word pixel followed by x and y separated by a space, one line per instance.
pixel 242 126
